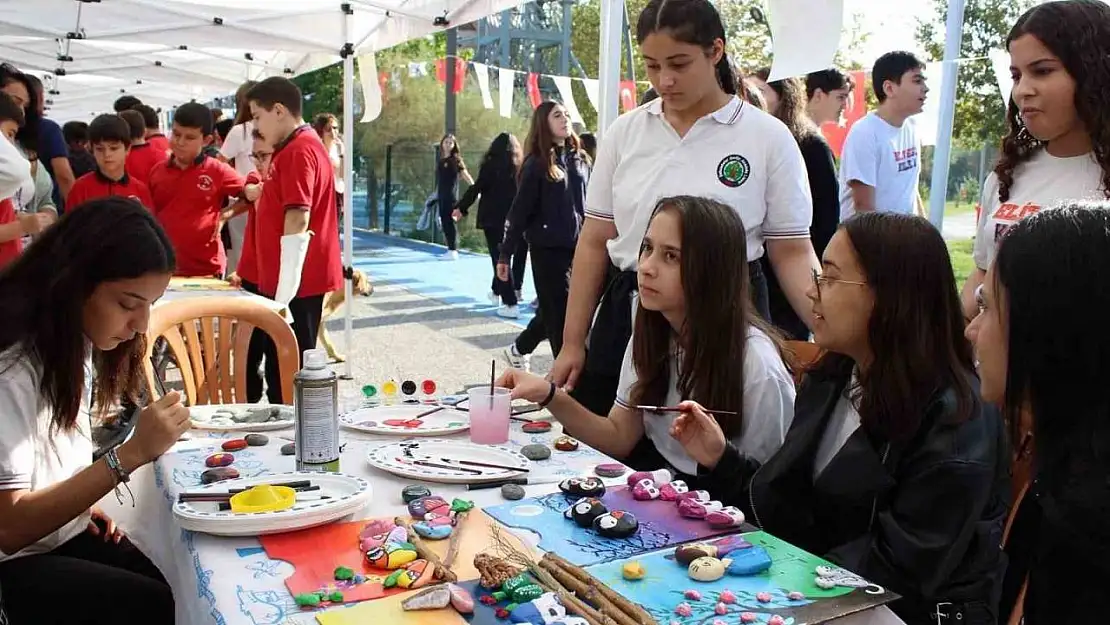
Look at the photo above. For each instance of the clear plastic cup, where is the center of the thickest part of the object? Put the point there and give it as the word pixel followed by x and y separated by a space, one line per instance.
pixel 489 415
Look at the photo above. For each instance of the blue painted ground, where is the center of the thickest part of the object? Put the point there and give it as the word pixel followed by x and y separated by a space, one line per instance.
pixel 414 265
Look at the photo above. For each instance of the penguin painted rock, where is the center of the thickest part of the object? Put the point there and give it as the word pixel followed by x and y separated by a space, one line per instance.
pixel 583 486
pixel 671 490
pixel 585 510
pixel 645 490
pixel 616 524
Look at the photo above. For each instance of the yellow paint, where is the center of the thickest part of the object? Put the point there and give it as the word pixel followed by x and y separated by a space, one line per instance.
pixel 389 389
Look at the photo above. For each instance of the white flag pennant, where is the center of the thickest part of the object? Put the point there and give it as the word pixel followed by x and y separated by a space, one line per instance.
pixel 566 94
pixel 371 88
pixel 592 91
pixel 505 79
pixel 481 70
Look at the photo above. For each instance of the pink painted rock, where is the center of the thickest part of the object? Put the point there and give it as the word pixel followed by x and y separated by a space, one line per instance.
pixel 671 490
pixel 645 490
pixel 460 599
pixel 395 534
pixel 375 527
pixel 696 495
pixel 694 509
pixel 659 476
pixel 730 516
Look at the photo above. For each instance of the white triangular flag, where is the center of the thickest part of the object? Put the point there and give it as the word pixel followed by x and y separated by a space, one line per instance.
pixel 927 121
pixel 566 94
pixel 806 35
pixel 418 70
pixel 481 70
pixel 592 91
pixel 1000 63
pixel 371 88
pixel 505 79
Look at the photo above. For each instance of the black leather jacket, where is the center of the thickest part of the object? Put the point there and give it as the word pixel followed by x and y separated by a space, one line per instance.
pixel 924 521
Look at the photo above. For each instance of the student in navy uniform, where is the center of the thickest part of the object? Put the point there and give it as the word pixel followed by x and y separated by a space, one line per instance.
pixel 449 168
pixel 50 144
pixel 81 161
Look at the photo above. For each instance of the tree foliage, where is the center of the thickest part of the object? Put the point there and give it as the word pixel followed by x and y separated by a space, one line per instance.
pixel 980 113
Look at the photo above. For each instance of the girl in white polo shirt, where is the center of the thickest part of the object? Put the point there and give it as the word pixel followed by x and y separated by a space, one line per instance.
pixel 75 308
pixel 697 139
pixel 696 337
pixel 1058 144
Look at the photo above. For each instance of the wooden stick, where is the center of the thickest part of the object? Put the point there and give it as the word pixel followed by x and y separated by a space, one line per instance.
pixel 632 609
pixel 442 572
pixel 588 593
pixel 453 543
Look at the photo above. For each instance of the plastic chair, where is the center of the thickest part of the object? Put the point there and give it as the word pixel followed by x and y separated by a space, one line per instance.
pixel 209 338
pixel 800 356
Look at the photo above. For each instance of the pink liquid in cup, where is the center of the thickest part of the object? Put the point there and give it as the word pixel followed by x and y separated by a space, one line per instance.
pixel 489 420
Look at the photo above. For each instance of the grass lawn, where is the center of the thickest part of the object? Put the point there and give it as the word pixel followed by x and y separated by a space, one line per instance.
pixel 951 208
pixel 962 263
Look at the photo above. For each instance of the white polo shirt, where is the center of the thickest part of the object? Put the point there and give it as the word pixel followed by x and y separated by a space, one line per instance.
pixel 738 155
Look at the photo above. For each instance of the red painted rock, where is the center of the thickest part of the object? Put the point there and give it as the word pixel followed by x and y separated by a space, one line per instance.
pixel 219 460
pixel 218 474
pixel 234 444
pixel 536 427
pixel 566 443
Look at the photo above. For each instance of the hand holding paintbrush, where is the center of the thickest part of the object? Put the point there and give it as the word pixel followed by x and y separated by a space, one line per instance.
pixel 700 434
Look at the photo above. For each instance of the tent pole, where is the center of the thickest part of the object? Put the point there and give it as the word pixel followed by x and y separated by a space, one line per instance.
pixel 349 184
pixel 609 64
pixel 938 187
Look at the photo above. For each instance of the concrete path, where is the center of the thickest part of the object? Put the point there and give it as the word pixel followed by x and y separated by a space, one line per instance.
pixel 961 226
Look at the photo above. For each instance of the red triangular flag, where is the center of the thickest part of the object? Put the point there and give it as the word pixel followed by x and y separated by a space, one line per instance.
pixel 460 73
pixel 533 87
pixel 628 95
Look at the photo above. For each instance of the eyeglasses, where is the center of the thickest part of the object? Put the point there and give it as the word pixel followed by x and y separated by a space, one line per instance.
pixel 819 279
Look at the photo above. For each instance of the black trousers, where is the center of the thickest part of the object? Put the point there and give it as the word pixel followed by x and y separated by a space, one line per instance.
pixel 261 345
pixel 450 233
pixel 551 273
pixel 506 290
pixel 306 313
pixel 782 313
pixel 86 581
pixel 534 334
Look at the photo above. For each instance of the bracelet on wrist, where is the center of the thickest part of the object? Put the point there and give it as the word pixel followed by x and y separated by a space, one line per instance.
pixel 550 396
pixel 120 474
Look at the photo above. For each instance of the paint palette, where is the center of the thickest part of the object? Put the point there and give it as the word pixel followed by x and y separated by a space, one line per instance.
pixel 346 495
pixel 406 391
pixel 241 417
pixel 411 459
pixel 401 420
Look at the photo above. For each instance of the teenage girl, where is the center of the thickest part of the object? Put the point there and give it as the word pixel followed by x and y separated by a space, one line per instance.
pixel 97 271
pixel 448 170
pixel 697 138
pixel 326 126
pixel 236 151
pixel 547 210
pixel 697 337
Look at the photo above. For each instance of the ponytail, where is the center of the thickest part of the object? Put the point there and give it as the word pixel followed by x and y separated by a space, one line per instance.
pixel 725 75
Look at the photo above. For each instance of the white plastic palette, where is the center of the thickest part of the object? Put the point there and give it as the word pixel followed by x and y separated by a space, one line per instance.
pixel 348 494
pixel 392 458
pixel 397 420
pixel 216 417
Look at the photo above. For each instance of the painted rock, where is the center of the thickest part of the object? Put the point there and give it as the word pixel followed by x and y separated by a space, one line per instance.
pixel 461 505
pixel 610 469
pixel 543 610
pixel 234 444
pixel 218 474
pixel 395 534
pixel 391 556
pixel 585 510
pixel 566 443
pixel 536 427
pixel 416 574
pixel 696 495
pixel 671 490
pixel 633 570
pixel 794 595
pixel 432 598
pixel 659 476
pixel 536 451
pixel 218 460
pixel 729 516
pixel 460 599
pixel 413 492
pixel 375 527
pixel 256 440
pixel 685 554
pixel 512 492
pixel 751 561
pixel 433 504
pixel 519 589
pixel 431 532
pixel 616 524
pixel 288 449
pixel 645 490
pixel 706 569
pixel 694 509
pixel 583 486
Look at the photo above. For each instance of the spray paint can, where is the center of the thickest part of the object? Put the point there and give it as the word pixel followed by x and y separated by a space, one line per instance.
pixel 316 405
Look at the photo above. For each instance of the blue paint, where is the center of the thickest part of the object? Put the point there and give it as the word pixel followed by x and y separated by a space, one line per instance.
pixel 246 552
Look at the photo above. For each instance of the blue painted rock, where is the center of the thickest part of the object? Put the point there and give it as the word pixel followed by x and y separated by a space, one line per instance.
pixel 750 561
pixel 218 474
pixel 431 532
pixel 218 460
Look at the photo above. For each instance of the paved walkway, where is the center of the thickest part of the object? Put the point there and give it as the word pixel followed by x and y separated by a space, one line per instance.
pixel 961 226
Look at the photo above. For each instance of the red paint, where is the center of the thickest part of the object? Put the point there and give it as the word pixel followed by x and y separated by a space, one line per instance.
pixel 406 423
pixel 429 387
pixel 315 553
pixel 234 444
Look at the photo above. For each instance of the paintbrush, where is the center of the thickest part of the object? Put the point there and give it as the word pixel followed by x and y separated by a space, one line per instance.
pixel 487 465
pixel 225 496
pixel 424 463
pixel 676 409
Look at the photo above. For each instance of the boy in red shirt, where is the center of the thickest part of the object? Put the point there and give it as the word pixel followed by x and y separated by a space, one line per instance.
pixel 12 227
pixel 110 138
pixel 190 190
pixel 154 136
pixel 143 156
pixel 296 235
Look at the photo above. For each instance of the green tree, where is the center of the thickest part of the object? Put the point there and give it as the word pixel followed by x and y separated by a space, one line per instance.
pixel 980 114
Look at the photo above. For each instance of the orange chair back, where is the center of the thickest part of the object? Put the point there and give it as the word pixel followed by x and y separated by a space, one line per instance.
pixel 800 356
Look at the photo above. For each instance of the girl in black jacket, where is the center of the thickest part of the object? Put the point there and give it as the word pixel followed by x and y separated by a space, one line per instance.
pixel 892 467
pixel 548 211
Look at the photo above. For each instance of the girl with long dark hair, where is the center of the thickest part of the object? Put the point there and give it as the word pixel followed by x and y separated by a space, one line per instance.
pixel 449 168
pixel 236 151
pixel 496 184
pixel 326 126
pixel 892 468
pixel 698 138
pixel 97 272
pixel 697 337
pixel 1057 146
pixel 1047 288
pixel 41 138
pixel 547 211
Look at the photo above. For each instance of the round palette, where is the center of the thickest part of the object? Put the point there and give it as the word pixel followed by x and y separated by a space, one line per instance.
pixel 241 417
pixel 399 420
pixel 411 458
pixel 346 495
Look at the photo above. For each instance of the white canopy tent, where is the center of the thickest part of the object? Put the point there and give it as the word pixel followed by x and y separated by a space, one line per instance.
pixel 166 52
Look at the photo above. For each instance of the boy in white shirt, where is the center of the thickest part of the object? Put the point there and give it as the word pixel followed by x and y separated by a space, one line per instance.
pixel 881 161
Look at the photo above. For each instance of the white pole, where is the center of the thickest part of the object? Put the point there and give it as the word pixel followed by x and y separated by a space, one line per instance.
pixel 609 64
pixel 938 188
pixel 349 187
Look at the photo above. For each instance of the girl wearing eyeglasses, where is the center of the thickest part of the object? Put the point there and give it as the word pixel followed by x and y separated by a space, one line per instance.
pixel 892 467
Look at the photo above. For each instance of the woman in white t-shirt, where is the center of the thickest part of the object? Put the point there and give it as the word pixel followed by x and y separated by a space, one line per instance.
pixel 698 138
pixel 236 151
pixel 696 337
pixel 1058 144
pixel 326 126
pixel 97 272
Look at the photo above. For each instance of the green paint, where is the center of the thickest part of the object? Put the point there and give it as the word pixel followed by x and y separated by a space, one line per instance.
pixel 343 573
pixel 800 572
pixel 307 599
pixel 369 390
pixel 336 597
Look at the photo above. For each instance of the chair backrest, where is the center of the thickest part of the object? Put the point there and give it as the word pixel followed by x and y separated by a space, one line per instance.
pixel 800 356
pixel 209 338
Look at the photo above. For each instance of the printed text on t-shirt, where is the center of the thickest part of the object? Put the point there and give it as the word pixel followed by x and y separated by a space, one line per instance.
pixel 906 159
pixel 1009 214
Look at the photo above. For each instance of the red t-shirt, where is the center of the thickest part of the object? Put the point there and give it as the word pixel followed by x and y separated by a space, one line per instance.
pixel 141 159
pixel 248 267
pixel 95 185
pixel 188 203
pixel 300 175
pixel 9 250
pixel 160 144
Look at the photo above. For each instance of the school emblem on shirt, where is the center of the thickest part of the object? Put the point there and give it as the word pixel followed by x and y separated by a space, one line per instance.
pixel 733 170
pixel 204 182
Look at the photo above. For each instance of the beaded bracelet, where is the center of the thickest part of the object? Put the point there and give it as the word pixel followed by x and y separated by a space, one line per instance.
pixel 121 475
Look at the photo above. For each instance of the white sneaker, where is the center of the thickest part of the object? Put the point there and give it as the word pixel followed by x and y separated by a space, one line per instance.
pixel 508 312
pixel 450 255
pixel 494 298
pixel 518 360
pixel 519 296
